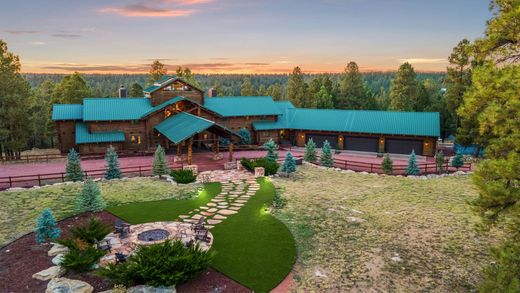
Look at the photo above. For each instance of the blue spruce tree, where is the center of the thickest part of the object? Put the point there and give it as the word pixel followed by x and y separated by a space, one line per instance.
pixel 326 158
pixel 112 165
pixel 289 164
pixel 458 161
pixel 310 151
pixel 46 227
pixel 89 199
pixel 246 136
pixel 272 150
pixel 413 168
pixel 160 166
pixel 73 169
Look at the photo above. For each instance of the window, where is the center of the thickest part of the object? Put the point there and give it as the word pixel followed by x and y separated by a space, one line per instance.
pixel 135 139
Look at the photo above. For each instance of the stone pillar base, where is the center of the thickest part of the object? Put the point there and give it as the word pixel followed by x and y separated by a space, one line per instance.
pixel 259 172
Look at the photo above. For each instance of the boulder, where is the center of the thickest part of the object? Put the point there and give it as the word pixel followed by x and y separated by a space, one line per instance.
pixel 57 249
pixel 64 285
pixel 150 289
pixel 57 259
pixel 50 273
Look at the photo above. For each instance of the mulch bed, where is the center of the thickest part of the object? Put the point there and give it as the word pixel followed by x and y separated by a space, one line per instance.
pixel 23 257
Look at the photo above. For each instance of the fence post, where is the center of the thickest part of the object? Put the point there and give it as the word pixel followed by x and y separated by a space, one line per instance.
pixel 62 177
pixel 140 174
pixel 39 180
pixel 371 168
pixel 10 182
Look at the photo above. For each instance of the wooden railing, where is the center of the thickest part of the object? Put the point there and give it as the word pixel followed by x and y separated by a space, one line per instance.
pixel 48 157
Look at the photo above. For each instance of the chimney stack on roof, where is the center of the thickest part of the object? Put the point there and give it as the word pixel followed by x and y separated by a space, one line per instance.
pixel 122 91
pixel 212 92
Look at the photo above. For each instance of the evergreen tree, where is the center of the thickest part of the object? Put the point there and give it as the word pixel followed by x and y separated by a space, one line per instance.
pixel 112 164
pixel 46 227
pixel 72 89
pixel 246 136
pixel 160 165
pixel 352 92
pixel 404 89
pixel 326 158
pixel 89 199
pixel 310 151
pixel 262 90
pixel 73 169
pixel 387 165
pixel 457 161
pixel 247 88
pixel 272 150
pixel 43 129
pixel 275 91
pixel 324 99
pixel 297 89
pixel 440 161
pixel 186 75
pixel 289 164
pixel 157 71
pixel 413 168
pixel 136 90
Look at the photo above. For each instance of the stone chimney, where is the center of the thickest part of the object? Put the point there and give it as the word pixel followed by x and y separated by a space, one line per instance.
pixel 122 91
pixel 212 92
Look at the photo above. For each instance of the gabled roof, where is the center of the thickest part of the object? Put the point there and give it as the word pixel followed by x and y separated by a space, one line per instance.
pixel 67 112
pixel 114 109
pixel 242 106
pixel 161 106
pixel 84 136
pixel 165 81
pixel 182 126
pixel 377 122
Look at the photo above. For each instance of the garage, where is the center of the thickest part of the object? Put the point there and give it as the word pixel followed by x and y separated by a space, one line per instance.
pixel 362 144
pixel 319 139
pixel 403 146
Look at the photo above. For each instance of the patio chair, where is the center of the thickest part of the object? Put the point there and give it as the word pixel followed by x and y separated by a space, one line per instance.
pixel 202 235
pixel 122 228
pixel 121 257
pixel 104 245
pixel 199 225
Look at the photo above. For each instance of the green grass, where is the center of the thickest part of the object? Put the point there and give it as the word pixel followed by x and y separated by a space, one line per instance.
pixel 253 247
pixel 163 210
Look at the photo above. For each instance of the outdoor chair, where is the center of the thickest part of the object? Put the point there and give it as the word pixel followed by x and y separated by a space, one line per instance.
pixel 122 228
pixel 121 257
pixel 202 235
pixel 104 245
pixel 199 225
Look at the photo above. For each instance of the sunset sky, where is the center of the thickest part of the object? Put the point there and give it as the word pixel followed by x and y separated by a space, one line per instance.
pixel 236 36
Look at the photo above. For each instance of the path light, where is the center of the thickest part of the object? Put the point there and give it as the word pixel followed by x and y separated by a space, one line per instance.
pixel 265 209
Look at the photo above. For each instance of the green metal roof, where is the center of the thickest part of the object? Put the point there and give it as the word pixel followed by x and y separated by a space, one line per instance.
pixel 113 109
pixel 182 126
pixel 84 136
pixel 165 104
pixel 242 106
pixel 284 105
pixel 151 88
pixel 377 122
pixel 67 112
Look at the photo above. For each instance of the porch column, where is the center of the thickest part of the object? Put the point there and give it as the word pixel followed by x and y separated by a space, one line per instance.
pixel 190 150
pixel 217 146
pixel 231 151
pixel 178 150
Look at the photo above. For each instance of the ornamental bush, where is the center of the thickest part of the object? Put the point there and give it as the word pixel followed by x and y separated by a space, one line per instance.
pixel 270 167
pixel 413 168
pixel 184 176
pixel 457 161
pixel 92 232
pixel 326 158
pixel 73 169
pixel 164 264
pixel 439 161
pixel 89 199
pixel 46 227
pixel 112 165
pixel 160 165
pixel 272 150
pixel 81 256
pixel 289 164
pixel 246 136
pixel 310 151
pixel 387 165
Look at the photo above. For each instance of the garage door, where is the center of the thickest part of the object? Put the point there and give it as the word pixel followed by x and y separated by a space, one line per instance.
pixel 319 139
pixel 403 146
pixel 362 144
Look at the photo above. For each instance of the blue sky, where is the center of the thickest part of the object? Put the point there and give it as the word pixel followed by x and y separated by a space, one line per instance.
pixel 233 36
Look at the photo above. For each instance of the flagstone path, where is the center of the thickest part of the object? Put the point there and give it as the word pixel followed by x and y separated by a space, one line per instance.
pixel 237 189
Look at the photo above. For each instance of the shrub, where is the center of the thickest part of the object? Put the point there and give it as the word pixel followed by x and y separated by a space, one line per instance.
pixel 224 142
pixel 439 161
pixel 184 176
pixel 246 136
pixel 164 264
pixel 92 232
pixel 160 166
pixel 279 202
pixel 289 164
pixel 503 275
pixel 326 155
pixel 81 259
pixel 89 199
pixel 458 161
pixel 46 227
pixel 73 169
pixel 112 165
pixel 270 167
pixel 412 168
pixel 387 165
pixel 272 150
pixel 310 151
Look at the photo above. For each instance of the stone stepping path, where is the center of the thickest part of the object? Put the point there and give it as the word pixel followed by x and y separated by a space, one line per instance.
pixel 237 188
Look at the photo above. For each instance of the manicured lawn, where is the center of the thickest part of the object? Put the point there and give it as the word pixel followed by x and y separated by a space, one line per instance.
pixel 163 210
pixel 253 247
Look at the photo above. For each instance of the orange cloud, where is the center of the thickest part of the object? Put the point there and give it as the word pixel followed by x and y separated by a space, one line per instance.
pixel 146 11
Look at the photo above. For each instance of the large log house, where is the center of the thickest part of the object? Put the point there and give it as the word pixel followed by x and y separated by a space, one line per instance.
pixel 176 115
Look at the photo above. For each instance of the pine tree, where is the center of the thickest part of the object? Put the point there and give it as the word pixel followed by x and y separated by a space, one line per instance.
pixel 404 89
pixel 136 90
pixel 326 158
pixel 297 89
pixel 112 165
pixel 323 99
pixel 157 70
pixel 272 150
pixel 46 227
pixel 458 161
pixel 73 169
pixel 310 151
pixel 353 95
pixel 289 164
pixel 387 165
pixel 246 136
pixel 72 89
pixel 413 168
pixel 439 161
pixel 89 199
pixel 246 88
pixel 160 166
